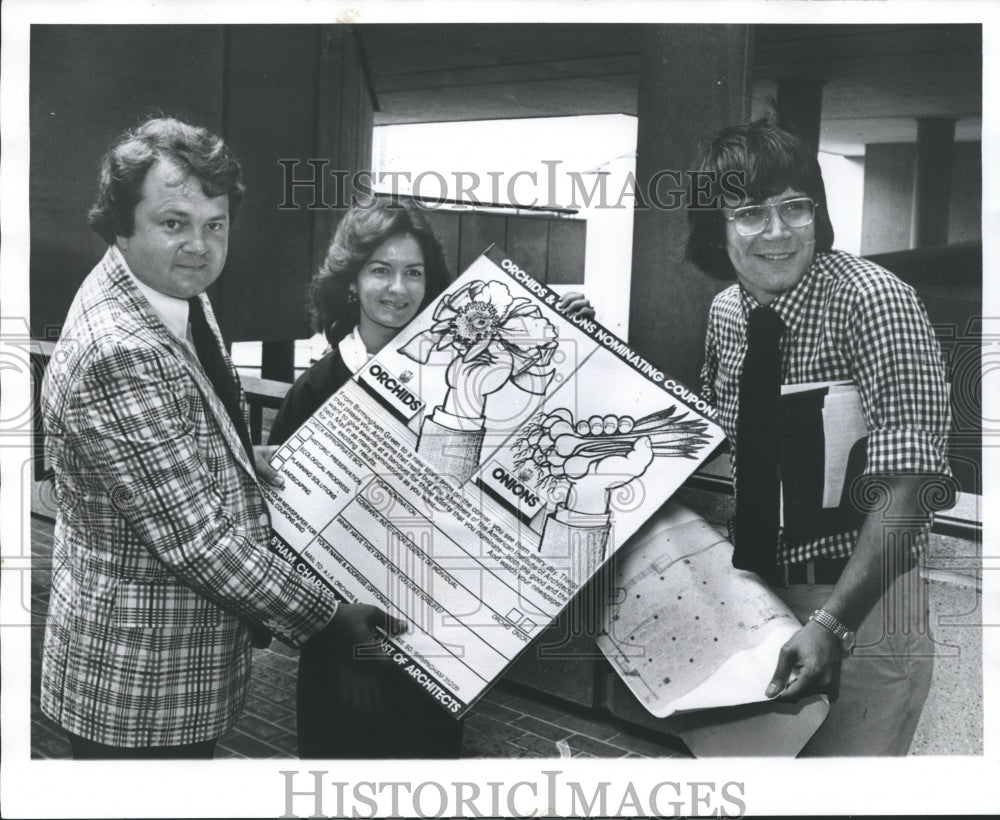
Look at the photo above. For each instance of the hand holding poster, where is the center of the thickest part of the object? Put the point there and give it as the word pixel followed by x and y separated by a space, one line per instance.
pixel 472 476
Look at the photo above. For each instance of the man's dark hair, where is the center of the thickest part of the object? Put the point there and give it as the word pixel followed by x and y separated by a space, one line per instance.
pixel 123 169
pixel 762 160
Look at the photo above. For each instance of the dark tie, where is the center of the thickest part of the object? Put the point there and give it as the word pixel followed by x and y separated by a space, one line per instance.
pixel 219 374
pixel 757 484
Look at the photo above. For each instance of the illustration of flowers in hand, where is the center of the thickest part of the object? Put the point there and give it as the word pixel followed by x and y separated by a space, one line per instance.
pixel 592 457
pixel 495 339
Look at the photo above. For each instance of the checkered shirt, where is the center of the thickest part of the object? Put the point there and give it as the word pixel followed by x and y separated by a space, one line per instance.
pixel 847 319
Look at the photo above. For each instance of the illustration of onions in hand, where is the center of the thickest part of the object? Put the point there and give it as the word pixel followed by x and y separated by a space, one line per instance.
pixel 561 449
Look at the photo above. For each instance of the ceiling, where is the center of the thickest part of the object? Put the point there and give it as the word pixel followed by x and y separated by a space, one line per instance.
pixel 876 79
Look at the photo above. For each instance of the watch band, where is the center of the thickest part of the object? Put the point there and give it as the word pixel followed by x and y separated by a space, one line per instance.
pixel 825 619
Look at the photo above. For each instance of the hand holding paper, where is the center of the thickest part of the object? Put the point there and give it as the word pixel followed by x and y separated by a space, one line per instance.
pixel 262 465
pixel 575 303
pixel 358 689
pixel 691 632
pixel 356 629
pixel 808 663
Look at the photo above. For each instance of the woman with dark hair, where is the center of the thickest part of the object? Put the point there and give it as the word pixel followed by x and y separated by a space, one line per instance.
pixel 802 312
pixel 384 265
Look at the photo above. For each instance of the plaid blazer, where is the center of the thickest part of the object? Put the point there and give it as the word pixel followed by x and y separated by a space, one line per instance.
pixel 160 560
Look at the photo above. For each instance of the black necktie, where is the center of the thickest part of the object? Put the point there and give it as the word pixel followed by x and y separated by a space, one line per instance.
pixel 210 356
pixel 757 484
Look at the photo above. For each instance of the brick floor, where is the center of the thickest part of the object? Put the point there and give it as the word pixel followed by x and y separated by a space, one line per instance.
pixel 542 728
pixel 508 721
pixel 514 722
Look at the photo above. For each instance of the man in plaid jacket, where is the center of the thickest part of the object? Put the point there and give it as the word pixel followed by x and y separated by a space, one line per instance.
pixel 161 572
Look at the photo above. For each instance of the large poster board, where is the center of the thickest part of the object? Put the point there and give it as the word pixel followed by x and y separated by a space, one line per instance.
pixel 479 470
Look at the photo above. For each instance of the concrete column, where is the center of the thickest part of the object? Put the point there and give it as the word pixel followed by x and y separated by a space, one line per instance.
pixel 932 186
pixel 887 209
pixel 693 80
pixel 800 103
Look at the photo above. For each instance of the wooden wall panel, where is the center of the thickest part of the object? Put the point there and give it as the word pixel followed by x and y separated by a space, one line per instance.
pixel 273 92
pixel 478 232
pixel 346 117
pixel 271 114
pixel 552 249
pixel 446 226
pixel 88 84
pixel 528 243
pixel 567 251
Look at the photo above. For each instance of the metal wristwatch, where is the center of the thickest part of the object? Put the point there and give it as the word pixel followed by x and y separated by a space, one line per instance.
pixel 842 633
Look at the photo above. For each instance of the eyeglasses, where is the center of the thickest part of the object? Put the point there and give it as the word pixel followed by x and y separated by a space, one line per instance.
pixel 751 220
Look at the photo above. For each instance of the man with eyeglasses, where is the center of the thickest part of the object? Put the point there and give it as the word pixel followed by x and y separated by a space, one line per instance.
pixel 802 312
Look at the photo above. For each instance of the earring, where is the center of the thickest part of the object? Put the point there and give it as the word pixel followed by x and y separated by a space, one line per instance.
pixel 352 295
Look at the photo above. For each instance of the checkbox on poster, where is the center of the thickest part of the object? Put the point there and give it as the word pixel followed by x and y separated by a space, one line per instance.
pixel 514 616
